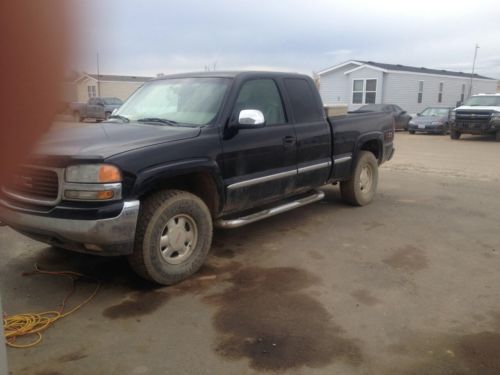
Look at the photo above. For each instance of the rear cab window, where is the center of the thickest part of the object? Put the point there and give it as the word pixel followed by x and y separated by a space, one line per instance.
pixel 304 105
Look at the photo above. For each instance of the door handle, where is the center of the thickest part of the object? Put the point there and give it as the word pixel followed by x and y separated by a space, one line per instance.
pixel 289 140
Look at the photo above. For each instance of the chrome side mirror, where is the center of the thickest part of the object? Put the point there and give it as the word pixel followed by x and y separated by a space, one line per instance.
pixel 250 118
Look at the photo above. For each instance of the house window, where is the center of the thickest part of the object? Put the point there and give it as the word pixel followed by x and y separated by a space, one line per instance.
pixel 462 95
pixel 420 91
pixel 91 91
pixel 370 91
pixel 364 91
pixel 357 91
pixel 440 94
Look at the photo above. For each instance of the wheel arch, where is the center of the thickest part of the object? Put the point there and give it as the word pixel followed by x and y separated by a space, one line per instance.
pixel 199 177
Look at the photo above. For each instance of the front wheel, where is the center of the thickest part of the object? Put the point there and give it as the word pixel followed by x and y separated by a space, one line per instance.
pixel 454 134
pixel 174 235
pixel 361 188
pixel 412 131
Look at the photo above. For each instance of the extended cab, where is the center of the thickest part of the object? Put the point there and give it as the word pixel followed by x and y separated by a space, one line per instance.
pixel 480 114
pixel 185 153
pixel 98 108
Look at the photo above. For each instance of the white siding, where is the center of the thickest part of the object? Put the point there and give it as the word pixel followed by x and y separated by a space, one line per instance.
pixel 334 86
pixel 402 89
pixel 365 73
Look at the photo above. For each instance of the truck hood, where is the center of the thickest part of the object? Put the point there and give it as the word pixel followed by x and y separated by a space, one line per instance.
pixel 478 108
pixel 100 141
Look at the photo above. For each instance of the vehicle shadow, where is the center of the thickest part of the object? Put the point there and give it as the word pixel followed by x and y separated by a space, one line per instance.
pixel 478 138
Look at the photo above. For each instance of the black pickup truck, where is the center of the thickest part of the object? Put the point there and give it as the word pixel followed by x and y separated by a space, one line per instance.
pixel 187 152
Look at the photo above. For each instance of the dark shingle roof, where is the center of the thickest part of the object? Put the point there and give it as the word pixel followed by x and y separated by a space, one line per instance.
pixel 115 78
pixel 413 69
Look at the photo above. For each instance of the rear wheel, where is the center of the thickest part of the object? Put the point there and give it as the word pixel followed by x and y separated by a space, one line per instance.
pixel 454 134
pixel 361 188
pixel 174 235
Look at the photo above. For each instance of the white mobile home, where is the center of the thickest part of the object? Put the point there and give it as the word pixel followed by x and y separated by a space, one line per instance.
pixel 355 83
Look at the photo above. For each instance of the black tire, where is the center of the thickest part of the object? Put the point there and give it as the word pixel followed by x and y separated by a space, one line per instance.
pixel 455 134
pixel 352 190
pixel 412 131
pixel 106 115
pixel 156 212
pixel 498 136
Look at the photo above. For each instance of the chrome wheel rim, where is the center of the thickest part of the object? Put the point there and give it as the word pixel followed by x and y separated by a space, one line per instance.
pixel 178 239
pixel 366 179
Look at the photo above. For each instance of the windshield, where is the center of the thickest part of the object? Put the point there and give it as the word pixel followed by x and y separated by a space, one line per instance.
pixel 435 112
pixel 371 107
pixel 185 101
pixel 113 101
pixel 483 100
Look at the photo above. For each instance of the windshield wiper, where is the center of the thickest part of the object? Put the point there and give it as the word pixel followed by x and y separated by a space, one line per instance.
pixel 158 119
pixel 120 117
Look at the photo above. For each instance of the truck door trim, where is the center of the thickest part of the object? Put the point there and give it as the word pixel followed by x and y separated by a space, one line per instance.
pixel 262 179
pixel 342 159
pixel 314 167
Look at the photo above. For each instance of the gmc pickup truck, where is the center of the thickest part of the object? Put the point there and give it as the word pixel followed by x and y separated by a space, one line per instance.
pixel 98 108
pixel 186 153
pixel 480 114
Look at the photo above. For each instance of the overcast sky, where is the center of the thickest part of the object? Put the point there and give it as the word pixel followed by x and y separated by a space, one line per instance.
pixel 147 37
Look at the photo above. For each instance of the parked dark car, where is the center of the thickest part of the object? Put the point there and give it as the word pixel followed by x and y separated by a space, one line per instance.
pixel 98 108
pixel 401 118
pixel 434 120
pixel 186 153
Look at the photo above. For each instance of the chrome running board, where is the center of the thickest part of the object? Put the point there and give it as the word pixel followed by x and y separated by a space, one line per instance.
pixel 239 222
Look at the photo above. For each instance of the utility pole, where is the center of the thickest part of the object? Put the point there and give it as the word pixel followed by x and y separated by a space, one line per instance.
pixel 473 67
pixel 98 81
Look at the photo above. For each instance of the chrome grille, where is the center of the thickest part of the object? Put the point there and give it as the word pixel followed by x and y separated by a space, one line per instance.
pixel 34 184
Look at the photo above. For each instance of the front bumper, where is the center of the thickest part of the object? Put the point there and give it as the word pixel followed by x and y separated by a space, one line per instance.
pixel 109 236
pixel 435 129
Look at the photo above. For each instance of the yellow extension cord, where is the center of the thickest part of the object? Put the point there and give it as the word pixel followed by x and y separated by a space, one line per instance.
pixel 21 325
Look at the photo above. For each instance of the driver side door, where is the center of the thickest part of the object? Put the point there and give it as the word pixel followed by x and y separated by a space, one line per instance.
pixel 260 164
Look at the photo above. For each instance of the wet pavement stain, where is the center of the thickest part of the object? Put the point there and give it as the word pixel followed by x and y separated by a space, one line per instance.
pixel 268 317
pixel 365 297
pixel 148 297
pixel 223 253
pixel 409 258
pixel 458 354
pixel 373 225
pixel 71 357
pixel 137 304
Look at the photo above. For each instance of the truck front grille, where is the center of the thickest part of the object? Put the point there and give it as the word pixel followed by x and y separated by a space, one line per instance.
pixel 479 120
pixel 34 184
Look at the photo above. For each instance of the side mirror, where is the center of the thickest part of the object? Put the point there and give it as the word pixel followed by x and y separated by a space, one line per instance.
pixel 251 118
pixel 418 115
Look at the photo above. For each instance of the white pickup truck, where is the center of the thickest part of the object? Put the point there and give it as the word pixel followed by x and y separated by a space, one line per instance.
pixel 480 114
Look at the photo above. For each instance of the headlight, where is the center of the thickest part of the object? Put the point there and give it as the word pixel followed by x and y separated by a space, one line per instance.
pixel 495 116
pixel 412 123
pixel 452 115
pixel 436 123
pixel 93 173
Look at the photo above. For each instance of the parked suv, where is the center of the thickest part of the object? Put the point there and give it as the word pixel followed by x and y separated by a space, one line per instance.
pixel 99 108
pixel 480 114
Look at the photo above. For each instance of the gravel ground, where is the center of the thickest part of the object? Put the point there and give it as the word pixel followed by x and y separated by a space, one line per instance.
pixel 406 285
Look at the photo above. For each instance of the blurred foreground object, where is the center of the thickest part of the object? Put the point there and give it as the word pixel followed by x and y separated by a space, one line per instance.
pixel 34 42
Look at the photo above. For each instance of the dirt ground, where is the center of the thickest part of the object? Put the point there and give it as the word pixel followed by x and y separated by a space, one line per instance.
pixel 407 285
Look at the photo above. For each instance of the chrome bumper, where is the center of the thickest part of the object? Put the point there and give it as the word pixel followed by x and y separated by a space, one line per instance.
pixel 113 236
